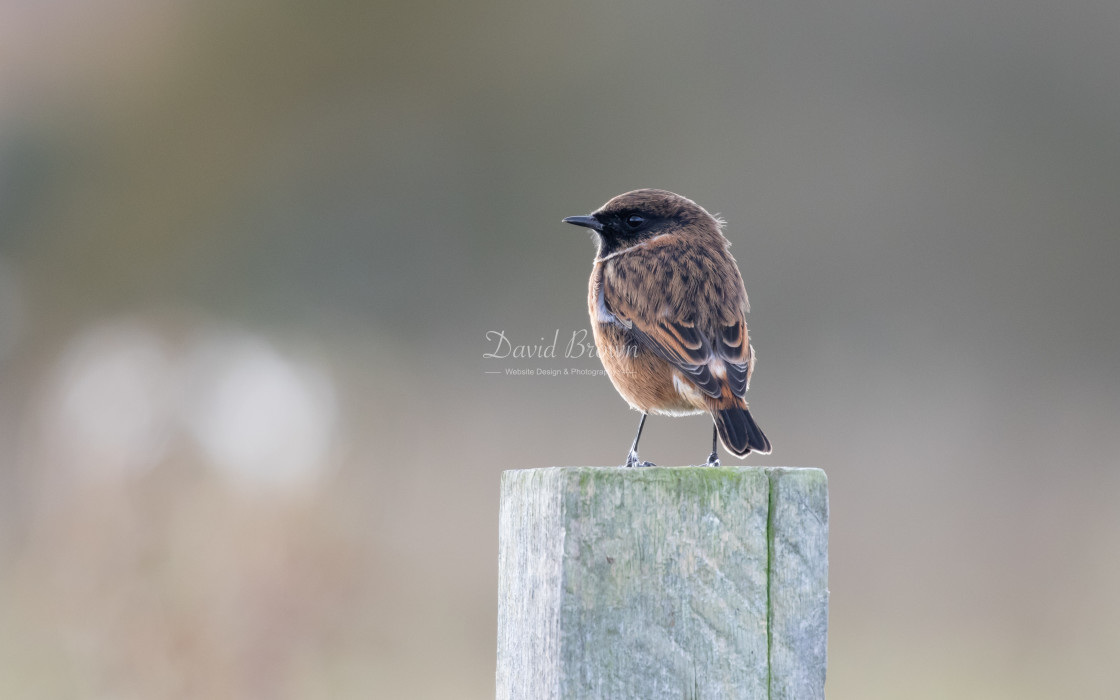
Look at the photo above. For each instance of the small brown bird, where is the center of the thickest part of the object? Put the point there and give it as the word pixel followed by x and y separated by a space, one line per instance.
pixel 668 309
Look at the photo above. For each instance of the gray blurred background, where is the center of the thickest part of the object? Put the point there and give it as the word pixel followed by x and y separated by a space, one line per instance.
pixel 250 254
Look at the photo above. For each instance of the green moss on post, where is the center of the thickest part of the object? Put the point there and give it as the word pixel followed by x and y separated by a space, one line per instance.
pixel 662 583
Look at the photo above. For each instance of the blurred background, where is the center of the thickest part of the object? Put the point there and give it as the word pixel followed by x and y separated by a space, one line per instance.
pixel 250 254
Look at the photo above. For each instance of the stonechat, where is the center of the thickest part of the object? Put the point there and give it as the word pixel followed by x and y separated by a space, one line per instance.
pixel 668 311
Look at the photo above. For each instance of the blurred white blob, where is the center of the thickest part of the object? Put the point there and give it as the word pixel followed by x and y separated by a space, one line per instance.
pixel 11 308
pixel 108 411
pixel 265 421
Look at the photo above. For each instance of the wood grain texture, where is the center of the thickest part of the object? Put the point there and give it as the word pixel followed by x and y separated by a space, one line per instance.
pixel 661 583
pixel 798 583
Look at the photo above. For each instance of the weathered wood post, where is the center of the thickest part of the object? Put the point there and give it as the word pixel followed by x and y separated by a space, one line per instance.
pixel 683 583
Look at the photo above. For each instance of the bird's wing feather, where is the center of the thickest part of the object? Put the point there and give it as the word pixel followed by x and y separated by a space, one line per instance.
pixel 668 319
pixel 733 345
pixel 676 340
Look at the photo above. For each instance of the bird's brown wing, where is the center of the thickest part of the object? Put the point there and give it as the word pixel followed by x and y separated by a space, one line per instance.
pixel 670 326
pixel 733 346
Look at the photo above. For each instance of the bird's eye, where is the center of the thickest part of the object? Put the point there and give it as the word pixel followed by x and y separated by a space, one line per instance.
pixel 634 221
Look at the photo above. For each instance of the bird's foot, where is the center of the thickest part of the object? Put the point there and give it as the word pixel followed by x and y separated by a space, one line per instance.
pixel 633 460
pixel 713 460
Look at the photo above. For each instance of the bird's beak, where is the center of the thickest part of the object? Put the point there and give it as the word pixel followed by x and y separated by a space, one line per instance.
pixel 586 221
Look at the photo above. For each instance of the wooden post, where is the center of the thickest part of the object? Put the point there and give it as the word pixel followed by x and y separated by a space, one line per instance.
pixel 682 583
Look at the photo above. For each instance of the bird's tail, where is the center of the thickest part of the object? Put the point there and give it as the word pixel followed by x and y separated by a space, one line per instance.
pixel 739 433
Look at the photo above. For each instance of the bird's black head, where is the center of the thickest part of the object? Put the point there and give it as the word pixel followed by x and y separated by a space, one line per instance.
pixel 636 216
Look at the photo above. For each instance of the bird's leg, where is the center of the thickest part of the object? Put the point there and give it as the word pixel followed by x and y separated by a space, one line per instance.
pixel 713 458
pixel 632 459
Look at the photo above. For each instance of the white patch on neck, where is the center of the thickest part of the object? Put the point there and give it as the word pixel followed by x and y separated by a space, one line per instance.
pixel 604 315
pixel 643 244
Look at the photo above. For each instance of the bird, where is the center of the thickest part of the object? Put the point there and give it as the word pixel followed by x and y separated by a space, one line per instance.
pixel 668 313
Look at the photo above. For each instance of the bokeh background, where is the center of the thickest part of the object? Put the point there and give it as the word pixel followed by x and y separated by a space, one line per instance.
pixel 250 254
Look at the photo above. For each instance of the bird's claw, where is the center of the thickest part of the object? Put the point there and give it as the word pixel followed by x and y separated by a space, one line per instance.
pixel 713 460
pixel 633 460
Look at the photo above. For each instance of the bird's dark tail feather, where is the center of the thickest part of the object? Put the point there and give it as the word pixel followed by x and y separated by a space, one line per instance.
pixel 739 433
